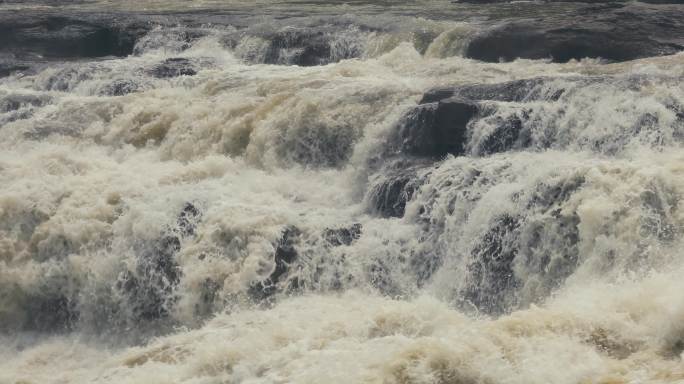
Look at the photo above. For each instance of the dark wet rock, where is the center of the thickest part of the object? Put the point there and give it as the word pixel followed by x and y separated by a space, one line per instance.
pixel 10 67
pixel 442 123
pixel 393 187
pixel 65 78
pixel 390 197
pixel 303 45
pixel 53 35
pixel 528 239
pixel 119 87
pixel 509 91
pixel 424 263
pixel 342 236
pixel 209 294
pixel 308 47
pixel 509 115
pixel 50 312
pixel 45 305
pixel 439 124
pixel 436 129
pixel 187 220
pixel 299 47
pixel 318 143
pixel 43 129
pixel 173 67
pixel 14 102
pixel 176 39
pixel 550 195
pixel 659 204
pixel 554 226
pixel 611 32
pixel 380 277
pixel 285 254
pixel 9 117
pixel 67 34
pixel 150 287
pixel 491 273
pixel 508 134
pixel 550 244
pixel 567 1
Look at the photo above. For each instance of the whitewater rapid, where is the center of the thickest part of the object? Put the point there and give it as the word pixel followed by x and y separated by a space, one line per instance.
pixel 213 207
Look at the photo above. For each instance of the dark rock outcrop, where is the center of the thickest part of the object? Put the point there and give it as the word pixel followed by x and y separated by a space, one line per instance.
pixel 303 46
pixel 285 254
pixel 567 1
pixel 187 220
pixel 173 67
pixel 509 91
pixel 543 239
pixel 611 31
pixel 50 312
pixel 491 275
pixel 436 129
pixel 15 107
pixel 342 236
pixel 508 134
pixel 170 39
pixel 53 35
pixel 14 116
pixel 150 287
pixel 119 88
pixel 8 67
pixel 389 198
pixel 394 186
pixel 13 102
pixel 300 47
pixel 445 123
pixel 438 126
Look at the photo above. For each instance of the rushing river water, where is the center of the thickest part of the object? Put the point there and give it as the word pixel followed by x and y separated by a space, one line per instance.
pixel 328 192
